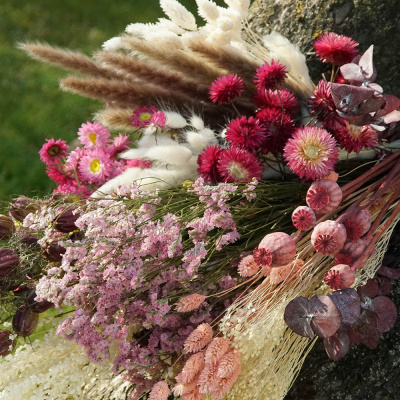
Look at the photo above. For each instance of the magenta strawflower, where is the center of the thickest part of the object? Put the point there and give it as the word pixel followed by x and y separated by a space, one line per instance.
pixel 270 76
pixel 354 138
pixel 208 163
pixel 238 165
pixel 54 172
pixel 158 119
pixel 141 116
pixel 226 88
pixel 246 133
pixel 93 135
pixel 95 166
pixel 311 153
pixel 335 49
pixel 119 144
pixel 278 128
pixel 267 98
pixel 53 151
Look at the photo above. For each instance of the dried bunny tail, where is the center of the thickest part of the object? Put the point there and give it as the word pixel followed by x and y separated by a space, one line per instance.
pixel 178 14
pixel 123 94
pixel 135 68
pixel 67 59
pixel 182 61
pixel 116 118
pixel 227 58
pixel 208 10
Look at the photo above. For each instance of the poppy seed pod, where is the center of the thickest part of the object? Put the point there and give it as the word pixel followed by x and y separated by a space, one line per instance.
pixel 357 224
pixel 354 249
pixel 21 207
pixel 6 227
pixel 65 221
pixel 324 196
pixel 281 247
pixel 6 343
pixel 339 277
pixel 328 237
pixel 8 262
pixel 303 218
pixel 25 321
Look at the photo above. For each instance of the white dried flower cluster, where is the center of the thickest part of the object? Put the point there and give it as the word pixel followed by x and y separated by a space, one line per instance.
pixel 51 369
pixel 223 25
pixel 173 161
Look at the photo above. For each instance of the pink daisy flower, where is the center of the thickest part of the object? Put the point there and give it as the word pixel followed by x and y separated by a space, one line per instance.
pixel 95 167
pixel 158 119
pixel 270 76
pixel 53 151
pixel 311 153
pixel 238 165
pixel 354 138
pixel 93 135
pixel 226 88
pixel 245 133
pixel 276 99
pixel 141 116
pixel 335 49
pixel 55 173
pixel 278 127
pixel 119 144
pixel 208 163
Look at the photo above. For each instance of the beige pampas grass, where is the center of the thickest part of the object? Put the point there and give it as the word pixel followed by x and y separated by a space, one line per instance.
pixel 116 118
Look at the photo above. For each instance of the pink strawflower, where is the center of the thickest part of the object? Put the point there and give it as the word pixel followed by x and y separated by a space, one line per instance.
pixel 55 173
pixel 226 88
pixel 199 338
pixel 71 187
pixel 93 135
pixel 238 165
pixel 247 266
pixel 217 349
pixel 246 133
pixel 53 151
pixel 95 166
pixel 278 128
pixel 158 119
pixel 192 367
pixel 208 163
pixel 141 116
pixel 160 391
pixel 262 257
pixel 270 76
pixel 190 303
pixel 311 153
pixel 335 49
pixel 276 99
pixel 119 144
pixel 228 364
pixel 354 138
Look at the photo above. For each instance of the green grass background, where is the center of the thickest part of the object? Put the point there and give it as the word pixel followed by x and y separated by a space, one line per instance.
pixel 32 107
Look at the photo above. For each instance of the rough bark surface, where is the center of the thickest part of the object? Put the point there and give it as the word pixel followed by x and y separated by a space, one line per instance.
pixel 366 21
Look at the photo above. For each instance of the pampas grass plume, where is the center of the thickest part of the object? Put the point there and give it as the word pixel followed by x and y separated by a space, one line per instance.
pixel 217 349
pixel 160 391
pixel 190 303
pixel 199 338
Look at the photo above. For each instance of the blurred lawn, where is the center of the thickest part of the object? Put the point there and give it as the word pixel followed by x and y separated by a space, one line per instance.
pixel 32 108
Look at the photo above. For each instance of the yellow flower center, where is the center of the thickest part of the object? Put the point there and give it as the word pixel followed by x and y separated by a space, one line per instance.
pixel 95 166
pixel 355 131
pixel 312 151
pixel 145 116
pixel 92 137
pixel 238 171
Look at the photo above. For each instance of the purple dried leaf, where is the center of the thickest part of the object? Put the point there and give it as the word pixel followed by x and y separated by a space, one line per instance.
pixel 385 286
pixel 367 65
pixel 365 331
pixel 370 290
pixel 352 72
pixel 386 312
pixel 393 116
pixel 297 316
pixel 326 318
pixel 348 97
pixel 372 105
pixel 337 345
pixel 392 103
pixel 390 273
pixel 349 304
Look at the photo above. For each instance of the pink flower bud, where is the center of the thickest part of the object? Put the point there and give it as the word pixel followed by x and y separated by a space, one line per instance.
pixel 339 277
pixel 328 237
pixel 199 338
pixel 190 303
pixel 65 221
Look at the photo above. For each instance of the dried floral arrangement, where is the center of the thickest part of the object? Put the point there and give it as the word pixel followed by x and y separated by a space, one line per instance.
pixel 177 248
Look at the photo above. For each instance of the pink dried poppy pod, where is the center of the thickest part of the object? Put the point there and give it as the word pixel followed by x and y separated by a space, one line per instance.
pixel 324 196
pixel 339 277
pixel 328 237
pixel 354 249
pixel 281 247
pixel 303 218
pixel 357 224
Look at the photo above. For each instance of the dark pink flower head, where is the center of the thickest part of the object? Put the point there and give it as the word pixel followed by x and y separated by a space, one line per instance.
pixel 55 173
pixel 246 133
pixel 119 144
pixel 93 135
pixel 311 153
pixel 354 138
pixel 208 163
pixel 321 102
pixel 335 49
pixel 53 151
pixel 267 98
pixel 270 76
pixel 278 128
pixel 141 116
pixel 238 165
pixel 226 88
pixel 158 119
